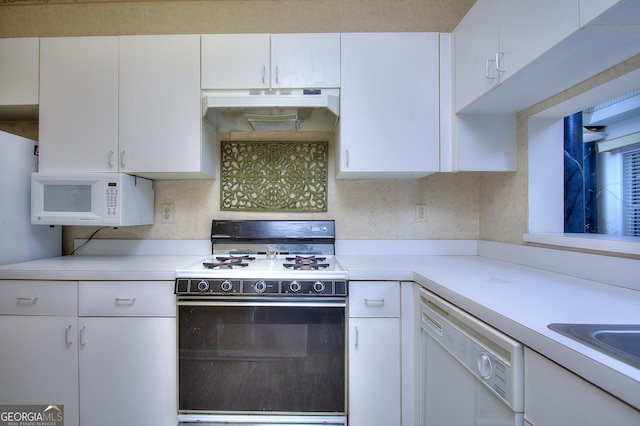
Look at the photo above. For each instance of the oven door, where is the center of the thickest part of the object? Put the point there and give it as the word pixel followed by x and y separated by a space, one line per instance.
pixel 274 358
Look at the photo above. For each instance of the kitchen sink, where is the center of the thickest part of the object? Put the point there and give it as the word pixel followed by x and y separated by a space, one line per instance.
pixel 621 341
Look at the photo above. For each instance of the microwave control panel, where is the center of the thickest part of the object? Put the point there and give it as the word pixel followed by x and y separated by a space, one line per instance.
pixel 111 200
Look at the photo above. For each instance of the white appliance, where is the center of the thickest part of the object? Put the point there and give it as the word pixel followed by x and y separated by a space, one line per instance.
pixel 261 327
pixel 471 373
pixel 272 110
pixel 91 199
pixel 20 241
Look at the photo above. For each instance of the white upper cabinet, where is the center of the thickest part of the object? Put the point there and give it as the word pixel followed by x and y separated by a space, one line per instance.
pixel 159 115
pixel 497 38
pixel 235 61
pixel 19 74
pixel 475 50
pixel 305 60
pixel 124 104
pixel 389 106
pixel 263 61
pixel 527 29
pixel 511 54
pixel 78 104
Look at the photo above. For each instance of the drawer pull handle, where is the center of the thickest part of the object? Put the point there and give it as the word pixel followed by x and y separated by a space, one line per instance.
pixel 369 302
pixel 125 300
pixel 27 300
pixel 67 335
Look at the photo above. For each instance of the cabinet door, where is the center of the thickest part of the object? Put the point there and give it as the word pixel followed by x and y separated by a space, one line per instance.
pixel 128 371
pixel 475 47
pixel 19 71
pixel 389 105
pixel 374 371
pixel 555 396
pixel 521 38
pixel 40 362
pixel 160 104
pixel 305 60
pixel 78 104
pixel 235 61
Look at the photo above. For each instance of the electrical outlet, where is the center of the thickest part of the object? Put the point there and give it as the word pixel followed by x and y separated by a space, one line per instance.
pixel 167 213
pixel 421 213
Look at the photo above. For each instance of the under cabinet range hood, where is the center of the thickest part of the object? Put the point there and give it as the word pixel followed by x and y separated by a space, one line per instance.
pixel 272 110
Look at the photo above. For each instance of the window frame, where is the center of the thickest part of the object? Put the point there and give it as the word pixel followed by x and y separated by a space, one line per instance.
pixel 545 173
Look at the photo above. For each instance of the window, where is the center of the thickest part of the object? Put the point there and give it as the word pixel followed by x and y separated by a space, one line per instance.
pixel 546 172
pixel 601 168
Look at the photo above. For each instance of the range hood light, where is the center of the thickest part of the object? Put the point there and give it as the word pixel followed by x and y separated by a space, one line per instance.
pixel 273 123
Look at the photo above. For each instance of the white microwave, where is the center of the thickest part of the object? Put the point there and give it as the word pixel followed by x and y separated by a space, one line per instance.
pixel 91 199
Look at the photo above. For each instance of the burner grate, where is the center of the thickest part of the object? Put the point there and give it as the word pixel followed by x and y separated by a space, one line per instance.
pixel 229 262
pixel 306 263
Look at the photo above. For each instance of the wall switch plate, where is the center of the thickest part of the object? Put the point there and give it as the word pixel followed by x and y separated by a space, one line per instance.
pixel 421 213
pixel 167 213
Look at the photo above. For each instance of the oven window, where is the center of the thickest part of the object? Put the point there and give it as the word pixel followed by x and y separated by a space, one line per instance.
pixel 262 358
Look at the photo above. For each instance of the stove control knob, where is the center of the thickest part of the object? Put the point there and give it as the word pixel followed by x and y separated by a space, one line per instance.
pixel 295 286
pixel 203 285
pixel 226 285
pixel 318 287
pixel 260 286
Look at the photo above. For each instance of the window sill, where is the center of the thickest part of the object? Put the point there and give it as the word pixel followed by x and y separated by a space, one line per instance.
pixel 615 245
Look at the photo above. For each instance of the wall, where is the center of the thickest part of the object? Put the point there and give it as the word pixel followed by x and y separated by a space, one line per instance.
pixel 381 209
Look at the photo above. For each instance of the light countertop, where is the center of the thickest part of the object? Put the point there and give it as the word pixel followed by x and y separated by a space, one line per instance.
pixel 518 300
pixel 521 301
pixel 99 268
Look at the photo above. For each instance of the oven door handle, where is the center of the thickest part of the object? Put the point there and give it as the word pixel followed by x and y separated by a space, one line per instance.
pixel 267 303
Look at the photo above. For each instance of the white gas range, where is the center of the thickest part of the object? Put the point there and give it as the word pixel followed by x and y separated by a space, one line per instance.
pixel 261 327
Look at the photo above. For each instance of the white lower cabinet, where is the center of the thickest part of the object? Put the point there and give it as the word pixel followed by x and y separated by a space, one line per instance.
pixel 127 346
pixel 36 365
pixel 39 349
pixel 556 396
pixel 374 353
pixel 105 350
pixel 127 371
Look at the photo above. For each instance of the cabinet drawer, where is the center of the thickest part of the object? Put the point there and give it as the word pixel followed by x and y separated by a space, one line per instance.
pixel 374 299
pixel 127 298
pixel 24 297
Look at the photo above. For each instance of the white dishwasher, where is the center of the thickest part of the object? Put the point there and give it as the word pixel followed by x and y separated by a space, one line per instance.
pixel 470 373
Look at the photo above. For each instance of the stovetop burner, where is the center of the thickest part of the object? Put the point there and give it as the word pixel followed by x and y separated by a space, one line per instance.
pixel 229 262
pixel 306 263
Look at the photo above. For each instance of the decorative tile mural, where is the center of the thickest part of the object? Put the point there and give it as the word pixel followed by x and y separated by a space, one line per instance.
pixel 274 176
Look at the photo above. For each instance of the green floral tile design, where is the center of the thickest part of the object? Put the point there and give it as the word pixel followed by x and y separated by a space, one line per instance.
pixel 274 176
